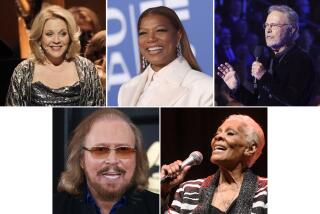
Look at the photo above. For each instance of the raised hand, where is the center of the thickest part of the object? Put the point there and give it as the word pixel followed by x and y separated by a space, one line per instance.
pixel 228 74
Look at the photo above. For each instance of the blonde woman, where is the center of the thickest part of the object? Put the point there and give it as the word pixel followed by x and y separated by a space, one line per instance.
pixel 55 74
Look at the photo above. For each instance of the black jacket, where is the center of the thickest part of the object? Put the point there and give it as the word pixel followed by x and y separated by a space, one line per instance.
pixel 144 202
pixel 289 80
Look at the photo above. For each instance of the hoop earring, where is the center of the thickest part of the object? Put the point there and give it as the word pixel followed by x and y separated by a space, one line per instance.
pixel 145 63
pixel 179 50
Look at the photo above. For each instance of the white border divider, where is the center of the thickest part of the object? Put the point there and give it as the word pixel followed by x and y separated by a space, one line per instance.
pixel 293 159
pixel 26 160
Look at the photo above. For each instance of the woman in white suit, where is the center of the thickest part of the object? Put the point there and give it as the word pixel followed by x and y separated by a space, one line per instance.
pixel 171 75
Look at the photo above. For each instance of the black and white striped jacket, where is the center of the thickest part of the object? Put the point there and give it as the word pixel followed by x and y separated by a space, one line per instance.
pixel 188 196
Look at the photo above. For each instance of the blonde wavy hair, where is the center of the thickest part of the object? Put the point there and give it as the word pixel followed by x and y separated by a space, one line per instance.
pixel 73 178
pixel 36 31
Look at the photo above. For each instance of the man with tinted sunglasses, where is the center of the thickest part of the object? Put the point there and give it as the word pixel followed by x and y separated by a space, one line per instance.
pixel 106 170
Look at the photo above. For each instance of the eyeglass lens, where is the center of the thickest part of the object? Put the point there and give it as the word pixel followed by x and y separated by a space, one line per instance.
pixel 102 152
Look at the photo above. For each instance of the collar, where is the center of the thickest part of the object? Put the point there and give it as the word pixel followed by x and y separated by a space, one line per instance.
pixel 88 198
pixel 171 77
pixel 174 72
pixel 283 53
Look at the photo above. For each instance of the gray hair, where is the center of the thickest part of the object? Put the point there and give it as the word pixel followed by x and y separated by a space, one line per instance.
pixel 291 15
pixel 254 134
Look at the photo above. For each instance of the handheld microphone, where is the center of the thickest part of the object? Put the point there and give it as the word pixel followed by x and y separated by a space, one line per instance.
pixel 258 52
pixel 195 158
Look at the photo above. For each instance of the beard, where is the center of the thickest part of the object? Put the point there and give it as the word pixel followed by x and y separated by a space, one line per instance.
pixel 110 192
pixel 280 42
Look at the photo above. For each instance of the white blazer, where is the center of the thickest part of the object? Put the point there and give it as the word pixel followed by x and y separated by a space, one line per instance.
pixel 180 86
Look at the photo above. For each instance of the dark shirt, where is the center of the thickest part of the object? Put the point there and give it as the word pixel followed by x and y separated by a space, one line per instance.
pixel 276 59
pixel 289 80
pixel 230 210
pixel 90 200
pixel 134 202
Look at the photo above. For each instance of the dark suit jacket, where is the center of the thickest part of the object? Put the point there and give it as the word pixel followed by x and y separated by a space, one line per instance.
pixel 288 81
pixel 144 202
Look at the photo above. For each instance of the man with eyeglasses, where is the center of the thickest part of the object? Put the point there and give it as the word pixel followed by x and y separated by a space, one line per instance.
pixel 287 77
pixel 107 169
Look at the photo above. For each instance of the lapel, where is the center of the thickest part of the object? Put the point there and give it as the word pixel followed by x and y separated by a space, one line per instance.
pixel 134 91
pixel 244 200
pixel 170 89
pixel 167 94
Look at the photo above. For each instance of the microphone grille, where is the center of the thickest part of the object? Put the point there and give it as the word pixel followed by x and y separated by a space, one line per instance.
pixel 197 156
pixel 258 51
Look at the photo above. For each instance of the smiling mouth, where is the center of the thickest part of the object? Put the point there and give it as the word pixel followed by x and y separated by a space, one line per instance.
pixel 56 48
pixel 219 148
pixel 111 175
pixel 154 50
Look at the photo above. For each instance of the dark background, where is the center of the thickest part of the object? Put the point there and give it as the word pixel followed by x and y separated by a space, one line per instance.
pixel 191 129
pixel 238 28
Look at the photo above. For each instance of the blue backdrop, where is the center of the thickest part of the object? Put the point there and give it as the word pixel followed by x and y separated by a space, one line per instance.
pixel 123 50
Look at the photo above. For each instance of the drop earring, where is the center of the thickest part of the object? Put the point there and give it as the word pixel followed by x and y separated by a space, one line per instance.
pixel 145 63
pixel 179 50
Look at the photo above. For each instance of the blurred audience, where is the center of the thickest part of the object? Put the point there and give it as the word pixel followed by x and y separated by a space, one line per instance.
pixel 96 52
pixel 238 30
pixel 88 22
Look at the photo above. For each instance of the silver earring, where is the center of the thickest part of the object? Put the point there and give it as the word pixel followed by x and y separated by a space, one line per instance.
pixel 179 50
pixel 145 62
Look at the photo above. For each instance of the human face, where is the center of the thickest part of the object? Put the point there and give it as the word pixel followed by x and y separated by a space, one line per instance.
pixel 55 40
pixel 158 40
pixel 278 37
pixel 108 178
pixel 229 145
